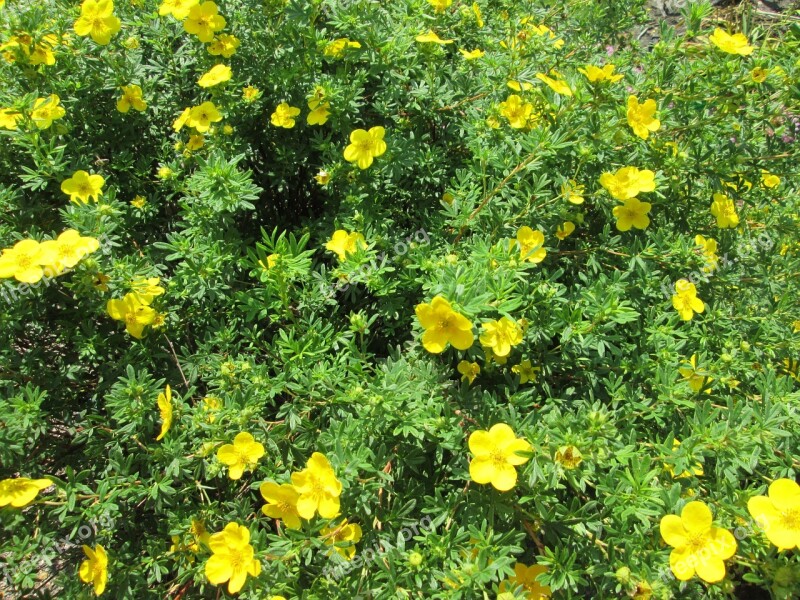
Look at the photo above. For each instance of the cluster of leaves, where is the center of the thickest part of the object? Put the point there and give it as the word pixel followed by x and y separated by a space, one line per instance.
pixel 263 329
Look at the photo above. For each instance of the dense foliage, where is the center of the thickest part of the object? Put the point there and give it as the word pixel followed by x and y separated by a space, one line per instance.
pixel 398 299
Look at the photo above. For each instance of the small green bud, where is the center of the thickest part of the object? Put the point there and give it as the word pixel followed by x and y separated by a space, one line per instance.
pixel 415 559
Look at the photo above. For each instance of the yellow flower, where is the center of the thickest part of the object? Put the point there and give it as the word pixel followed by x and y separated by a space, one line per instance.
pixel 214 76
pixel 323 177
pixel 632 214
pixel 139 201
pixel 337 48
pixel 131 98
pixel 21 491
pixel 628 182
pixel 596 74
pixel 67 251
pixel 565 230
pixel 147 289
pixel 343 537
pixel 99 282
pixel 165 173
pixel 232 559
pixel 440 5
pixel 697 469
pixel 210 405
pixel 641 117
pixel 471 54
pixel 24 261
pixel 573 191
pixel 42 54
pixel 496 453
pixel 47 110
pixel 501 335
pixel 685 300
pixel 343 243
pixel 698 379
pixel 201 117
pixel 759 74
pixel 709 249
pixel 224 45
pixel 777 513
pixel 9 118
pixel 516 111
pixel 94 569
pixel 432 38
pixel 318 487
pixel 243 454
pixel 731 44
pixel 568 457
pixel 281 503
pixel 97 20
pixel 319 112
pixel 365 146
pixel 725 211
pixel 768 180
pixel 182 120
pixel 132 312
pixel 519 86
pixel 525 371
pixel 796 327
pixel 469 370
pixel 698 547
pixel 477 12
pixel 542 30
pixel 557 85
pixel 177 8
pixel 272 260
pixel 525 577
pixel 165 408
pixel 250 93
pixel 82 187
pixel 443 326
pixel 531 244
pixel 204 21
pixel 195 142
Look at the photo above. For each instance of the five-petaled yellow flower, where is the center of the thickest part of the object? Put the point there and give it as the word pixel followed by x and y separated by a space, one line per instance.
pixel 501 336
pixel 214 76
pixel 573 191
pixel 698 546
pixel 768 180
pixel 318 487
pixel 243 454
pixel 284 115
pixel 778 513
pixel 516 111
pixel 281 503
pixel 341 534
pixel 496 453
pixel 201 117
pixel 526 371
pixel 232 559
pixel 641 117
pixel 94 569
pixel 596 74
pixel 564 230
pixel 443 326
pixel 82 187
pixel 337 48
pixel 97 20
pixel 628 182
pixel 559 86
pixel 343 243
pixel 25 261
pixel 440 5
pixel 698 379
pixel 224 45
pixel 9 118
pixel 469 370
pixel 365 146
pixel 204 20
pixel 531 244
pixel 21 491
pixel 165 408
pixel 724 210
pixel 471 54
pixel 135 314
pixel 131 98
pixel 685 300
pixel 731 44
pixel 47 110
pixel 67 250
pixel 633 213
pixel 526 577
pixel 177 8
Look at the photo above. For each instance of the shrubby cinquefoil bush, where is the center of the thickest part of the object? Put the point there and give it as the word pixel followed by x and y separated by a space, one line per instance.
pixel 406 299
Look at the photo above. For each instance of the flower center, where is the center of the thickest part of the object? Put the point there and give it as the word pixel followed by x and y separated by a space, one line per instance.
pixel 791 519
